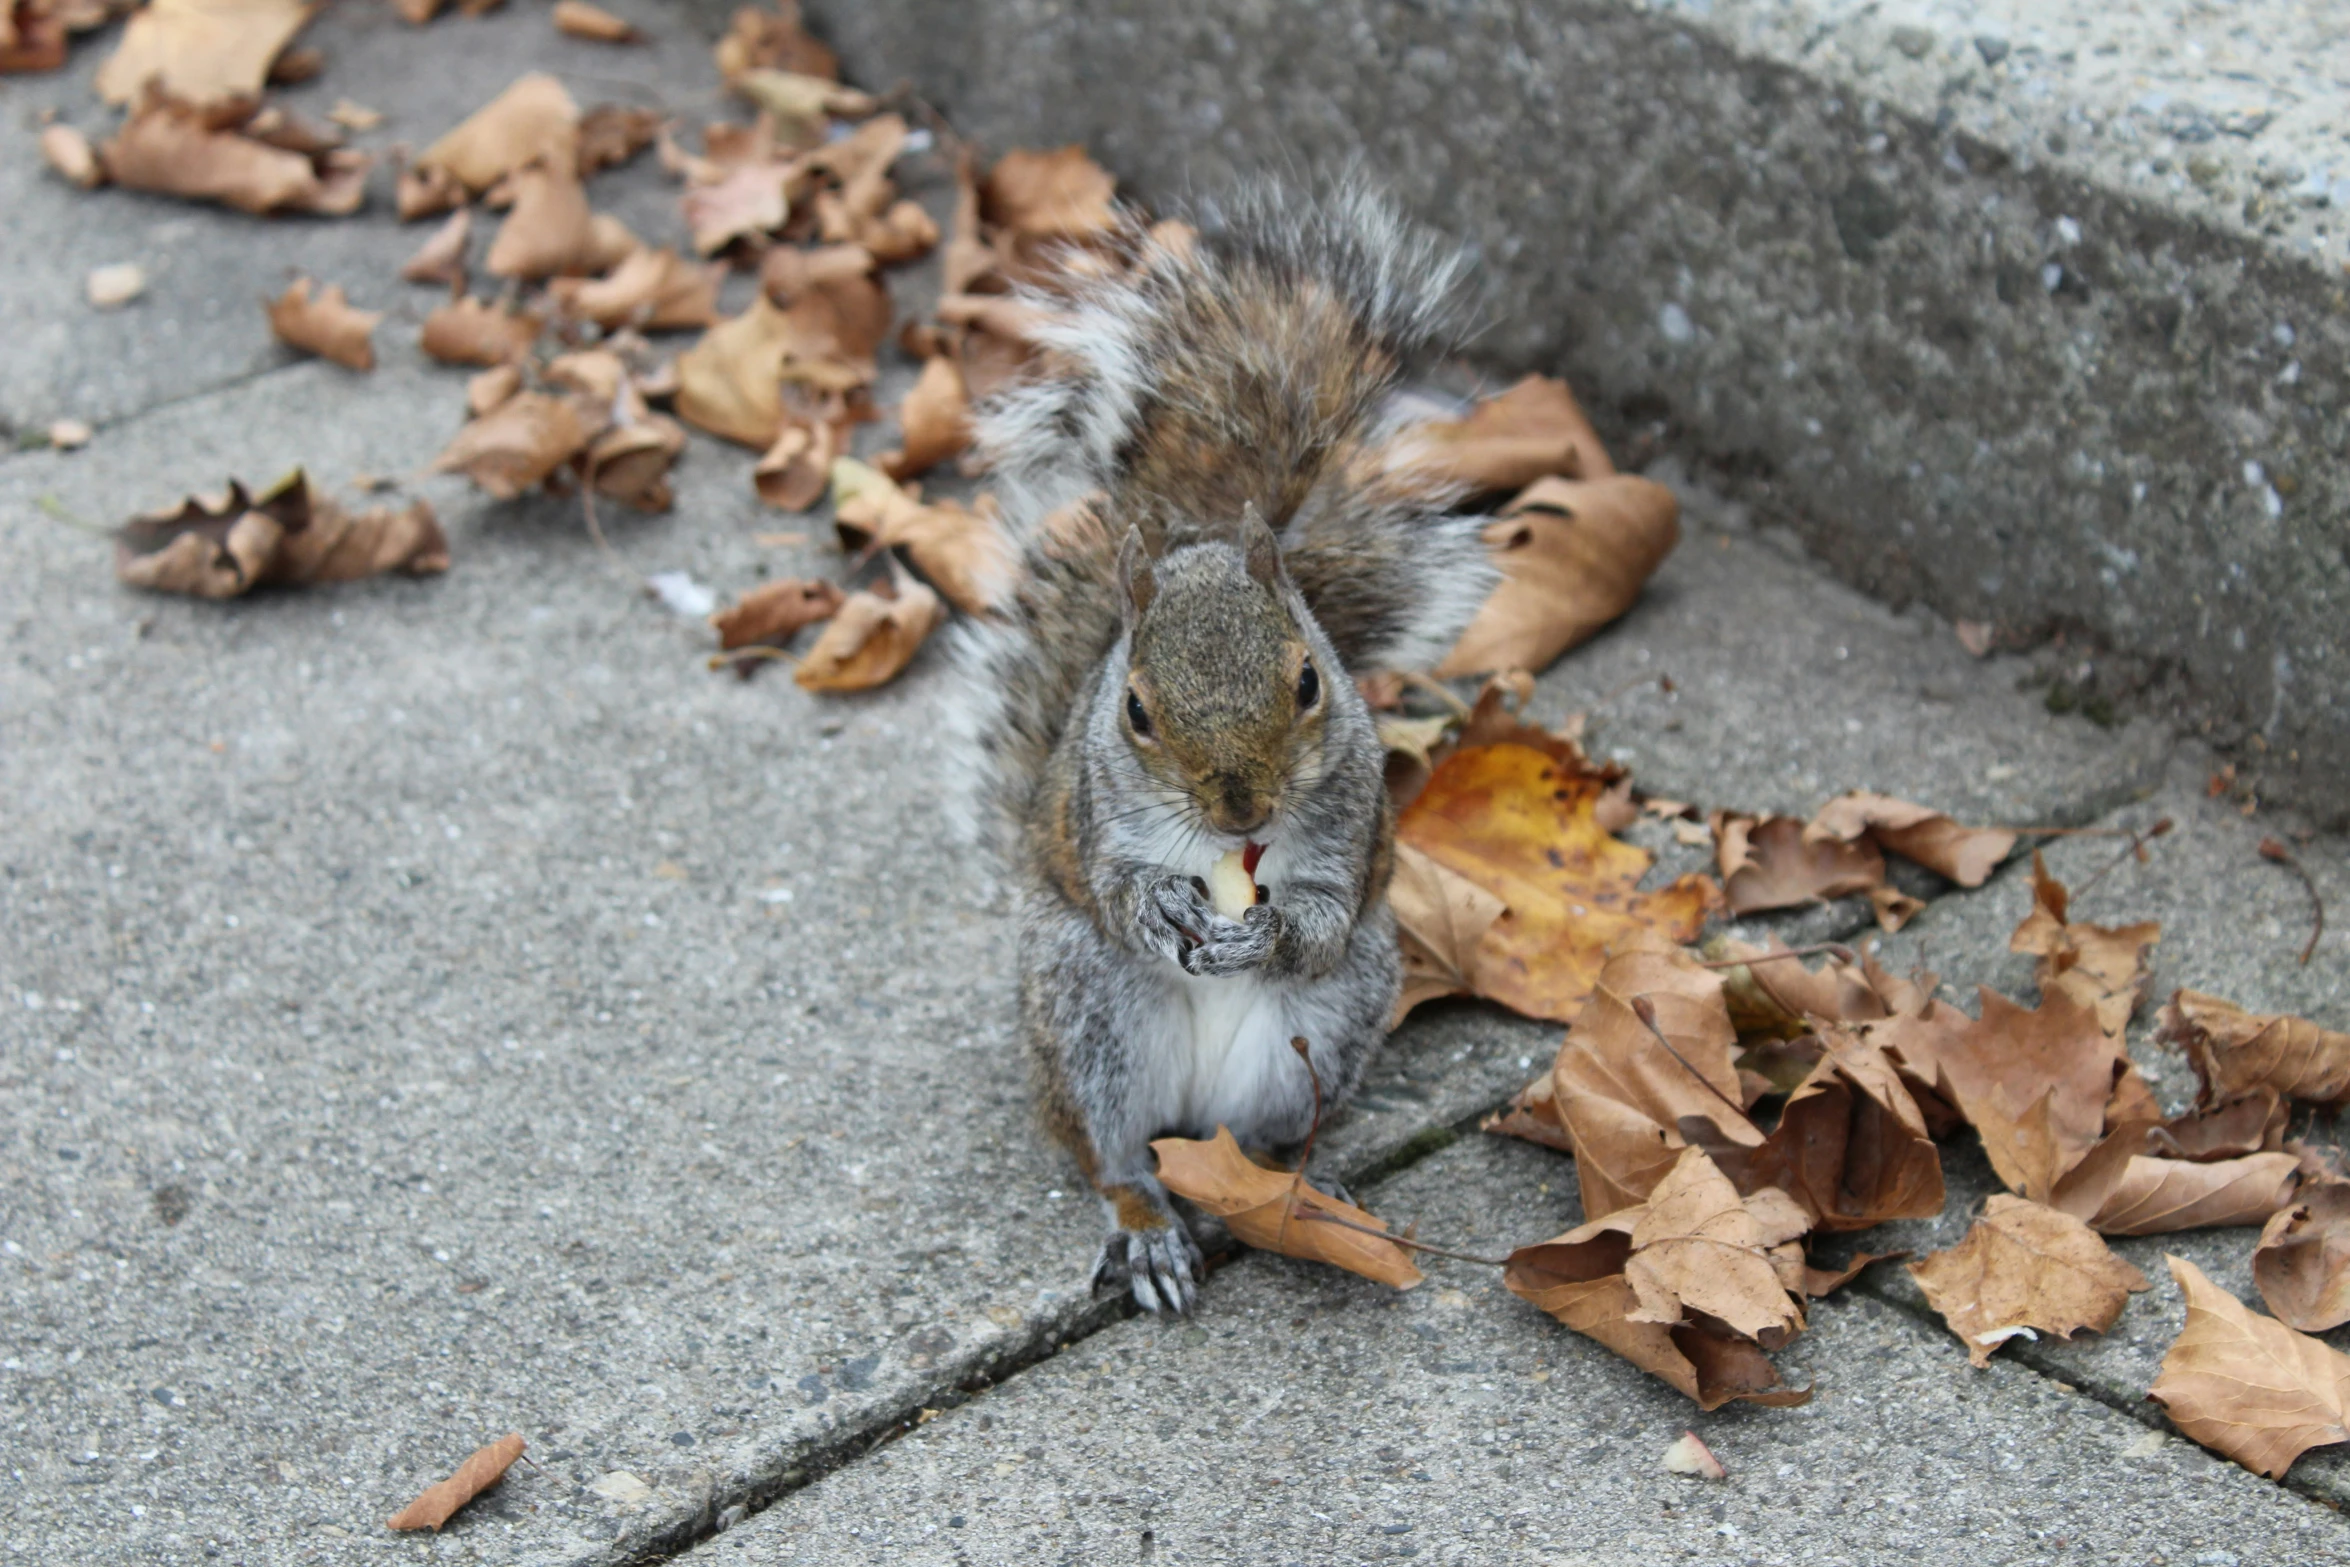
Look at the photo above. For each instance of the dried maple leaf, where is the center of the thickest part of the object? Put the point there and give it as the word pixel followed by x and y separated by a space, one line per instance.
pixel 1532 431
pixel 2157 1196
pixel 2247 1386
pixel 325 325
pixel 485 1468
pixel 772 39
pixel 204 52
pixel 550 228
pixel 69 152
pixel 771 614
pixel 222 546
pixel 1573 555
pixel 441 259
pixel 1619 1280
pixel 1851 1146
pixel 1966 855
pixel 594 23
pixel 963 552
pixel 2105 966
pixel 651 290
pixel 2254 1123
pixel 934 422
pixel 518 443
pixel 1768 862
pixel 1440 919
pixel 468 331
pixel 1526 826
pixel 1062 194
pixel 173 149
pixel 874 636
pixel 2235 1052
pixel 533 118
pixel 1272 1211
pixel 2034 1084
pixel 2302 1263
pixel 2025 1266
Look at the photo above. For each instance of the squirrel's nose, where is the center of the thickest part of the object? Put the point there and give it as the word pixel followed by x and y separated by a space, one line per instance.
pixel 1236 807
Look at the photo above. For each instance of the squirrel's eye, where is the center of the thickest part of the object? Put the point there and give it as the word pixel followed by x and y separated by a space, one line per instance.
pixel 1136 716
pixel 1309 687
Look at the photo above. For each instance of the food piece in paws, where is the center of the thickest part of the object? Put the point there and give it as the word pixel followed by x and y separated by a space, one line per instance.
pixel 1232 883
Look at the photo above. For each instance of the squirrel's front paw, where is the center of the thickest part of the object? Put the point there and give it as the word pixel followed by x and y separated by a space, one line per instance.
pixel 1180 915
pixel 1161 1265
pixel 1235 946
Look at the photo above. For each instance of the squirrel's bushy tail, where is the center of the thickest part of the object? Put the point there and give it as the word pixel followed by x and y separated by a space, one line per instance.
pixel 1256 368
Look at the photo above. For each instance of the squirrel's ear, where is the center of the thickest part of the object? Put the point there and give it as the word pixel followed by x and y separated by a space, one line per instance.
pixel 1258 546
pixel 1135 580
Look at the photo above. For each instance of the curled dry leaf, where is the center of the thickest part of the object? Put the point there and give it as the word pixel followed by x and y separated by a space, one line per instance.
pixel 1270 1210
pixel 2235 1052
pixel 2247 1386
pixel 493 386
pixel 2103 965
pixel 441 259
pixel 963 552
pixel 2253 1124
pixel 631 461
pixel 771 614
pixel 1618 1280
pixel 550 228
pixel 2157 1196
pixel 1535 430
pixel 2302 1264
pixel 1966 855
pixel 518 443
pixel 2024 1265
pixel 1769 862
pixel 594 23
pixel 731 382
pixel 875 635
pixel 802 102
pixel 2035 1085
pixel 69 152
pixel 470 331
pixel 651 290
pixel 1062 194
pixel 174 150
pixel 796 471
pixel 1851 1146
pixel 1574 555
pixel 325 325
pixel 610 135
pixel 1441 918
pixel 221 546
pixel 772 39
pixel 1527 825
pixel 533 118
pixel 934 422
pixel 204 52
pixel 485 1468
pixel 354 116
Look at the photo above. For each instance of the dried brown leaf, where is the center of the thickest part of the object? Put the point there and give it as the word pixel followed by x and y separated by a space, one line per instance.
pixel 1061 194
pixel 610 135
pixel 426 193
pixel 491 387
pixel 874 636
pixel 1269 1210
pixel 1966 855
pixel 731 382
pixel 174 150
pixel 1535 430
pixel 771 614
pixel 2157 1196
pixel 651 290
pixel 2034 1085
pixel 1851 1145
pixel 441 259
pixel 485 1468
pixel 32 38
pixel 550 228
pixel 582 20
pixel 518 443
pixel 753 198
pixel 222 546
pixel 1441 918
pixel 2253 1124
pixel 2235 1052
pixel 1770 863
pixel 2247 1386
pixel 963 552
pixel 1573 556
pixel 324 324
pixel 2302 1264
pixel 2104 965
pixel 533 118
pixel 772 39
pixel 934 422
pixel 631 461
pixel 468 331
pixel 2025 1266
pixel 204 52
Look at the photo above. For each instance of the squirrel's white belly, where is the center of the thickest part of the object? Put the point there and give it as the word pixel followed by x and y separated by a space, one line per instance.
pixel 1235 1061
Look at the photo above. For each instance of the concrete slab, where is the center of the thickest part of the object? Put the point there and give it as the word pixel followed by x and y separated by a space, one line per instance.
pixel 2030 311
pixel 1310 1417
pixel 200 324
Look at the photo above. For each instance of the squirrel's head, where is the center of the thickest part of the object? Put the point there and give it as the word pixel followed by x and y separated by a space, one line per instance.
pixel 1226 697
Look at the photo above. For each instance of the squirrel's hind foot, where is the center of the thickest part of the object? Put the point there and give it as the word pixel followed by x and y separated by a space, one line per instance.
pixel 1161 1265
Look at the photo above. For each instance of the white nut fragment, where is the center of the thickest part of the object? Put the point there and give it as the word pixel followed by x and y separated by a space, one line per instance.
pixel 1230 887
pixel 1690 1456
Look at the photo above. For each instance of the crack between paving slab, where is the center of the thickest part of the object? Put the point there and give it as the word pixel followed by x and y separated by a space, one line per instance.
pixel 233 383
pixel 838 1449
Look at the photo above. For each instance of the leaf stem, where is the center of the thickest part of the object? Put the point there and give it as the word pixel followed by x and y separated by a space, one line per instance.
pixel 2271 849
pixel 1316 1216
pixel 1835 949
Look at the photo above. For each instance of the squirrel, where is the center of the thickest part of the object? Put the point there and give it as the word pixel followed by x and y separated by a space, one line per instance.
pixel 1210 544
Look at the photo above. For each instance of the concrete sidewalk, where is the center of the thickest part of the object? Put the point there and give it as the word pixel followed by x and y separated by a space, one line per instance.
pixel 432 1009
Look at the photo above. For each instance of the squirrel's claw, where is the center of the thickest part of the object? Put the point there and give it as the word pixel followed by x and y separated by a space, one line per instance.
pixel 1235 946
pixel 1160 1266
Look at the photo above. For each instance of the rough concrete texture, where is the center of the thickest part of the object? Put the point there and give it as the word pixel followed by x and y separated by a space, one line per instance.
pixel 430 1009
pixel 1309 1417
pixel 2033 312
